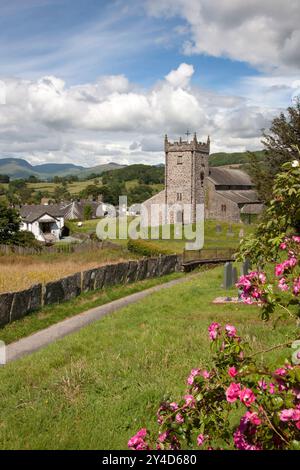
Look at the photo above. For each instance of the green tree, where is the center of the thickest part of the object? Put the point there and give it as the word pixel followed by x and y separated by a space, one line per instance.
pixel 9 224
pixel 87 212
pixel 281 218
pixel 280 146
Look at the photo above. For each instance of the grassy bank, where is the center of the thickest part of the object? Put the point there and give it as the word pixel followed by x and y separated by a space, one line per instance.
pixel 97 387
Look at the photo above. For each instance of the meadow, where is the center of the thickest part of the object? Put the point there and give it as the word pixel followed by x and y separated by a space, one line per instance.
pixel 94 389
pixel 20 272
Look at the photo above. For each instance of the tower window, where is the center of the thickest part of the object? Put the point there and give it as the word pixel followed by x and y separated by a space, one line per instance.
pixel 179 160
pixel 179 196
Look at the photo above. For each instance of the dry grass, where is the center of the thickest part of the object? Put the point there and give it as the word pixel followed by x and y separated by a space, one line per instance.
pixel 21 272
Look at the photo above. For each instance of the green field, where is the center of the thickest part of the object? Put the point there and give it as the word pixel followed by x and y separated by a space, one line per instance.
pixel 94 389
pixel 228 237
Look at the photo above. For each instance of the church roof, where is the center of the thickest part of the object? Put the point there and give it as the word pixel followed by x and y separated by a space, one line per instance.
pixel 240 197
pixel 252 209
pixel 229 177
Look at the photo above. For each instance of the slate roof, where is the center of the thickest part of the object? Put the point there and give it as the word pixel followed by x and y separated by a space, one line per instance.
pixel 229 177
pixel 30 213
pixel 242 196
pixel 252 209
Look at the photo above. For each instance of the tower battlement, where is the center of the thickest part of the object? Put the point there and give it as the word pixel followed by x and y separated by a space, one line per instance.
pixel 187 146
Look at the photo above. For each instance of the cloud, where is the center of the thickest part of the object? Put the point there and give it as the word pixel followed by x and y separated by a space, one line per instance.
pixel 264 34
pixel 113 119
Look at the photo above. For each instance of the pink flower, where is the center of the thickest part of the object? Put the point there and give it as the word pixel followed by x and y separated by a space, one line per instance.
pixel 137 442
pixel 194 373
pixel 163 436
pixel 179 418
pixel 230 331
pixel 296 286
pixel 247 397
pixel 190 401
pixel 281 371
pixel 253 418
pixel 214 330
pixel 296 239
pixel 233 392
pixel 174 406
pixel 232 372
pixel 290 414
pixel 205 374
pixel 200 440
pixel 262 384
pixel 271 388
pixel 283 285
pixel 283 246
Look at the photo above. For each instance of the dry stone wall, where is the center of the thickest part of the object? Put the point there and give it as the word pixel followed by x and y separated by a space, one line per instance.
pixel 16 305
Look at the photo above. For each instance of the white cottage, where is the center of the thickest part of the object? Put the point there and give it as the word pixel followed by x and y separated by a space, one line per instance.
pixel 45 222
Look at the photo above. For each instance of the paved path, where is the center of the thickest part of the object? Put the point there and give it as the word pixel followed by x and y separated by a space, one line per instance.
pixel 44 337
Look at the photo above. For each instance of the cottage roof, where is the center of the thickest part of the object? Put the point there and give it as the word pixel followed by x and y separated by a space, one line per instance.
pixel 229 177
pixel 30 213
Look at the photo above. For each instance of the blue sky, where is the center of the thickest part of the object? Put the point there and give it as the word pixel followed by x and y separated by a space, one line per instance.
pixel 240 66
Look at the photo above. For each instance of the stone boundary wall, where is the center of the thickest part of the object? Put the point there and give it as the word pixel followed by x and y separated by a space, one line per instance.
pixel 15 305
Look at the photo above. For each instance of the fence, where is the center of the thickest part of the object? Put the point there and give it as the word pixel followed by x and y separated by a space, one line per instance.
pixel 15 305
pixel 208 255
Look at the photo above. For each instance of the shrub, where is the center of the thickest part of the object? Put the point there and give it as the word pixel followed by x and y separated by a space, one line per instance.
pixel 146 248
pixel 237 404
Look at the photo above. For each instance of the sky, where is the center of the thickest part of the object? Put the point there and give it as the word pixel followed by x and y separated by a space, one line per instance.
pixel 94 81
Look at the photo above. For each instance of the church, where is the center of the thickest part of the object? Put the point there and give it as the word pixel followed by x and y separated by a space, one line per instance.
pixel 226 194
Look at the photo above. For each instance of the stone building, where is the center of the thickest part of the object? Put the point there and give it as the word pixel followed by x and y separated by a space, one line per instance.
pixel 190 182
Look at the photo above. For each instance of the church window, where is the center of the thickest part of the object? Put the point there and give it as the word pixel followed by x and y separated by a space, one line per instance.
pixel 179 196
pixel 179 160
pixel 223 208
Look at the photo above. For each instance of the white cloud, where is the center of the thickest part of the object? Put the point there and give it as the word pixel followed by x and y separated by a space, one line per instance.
pixel 265 33
pixel 114 120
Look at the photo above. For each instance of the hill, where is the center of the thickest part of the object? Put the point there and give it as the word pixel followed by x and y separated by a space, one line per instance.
pixel 19 168
pixel 226 158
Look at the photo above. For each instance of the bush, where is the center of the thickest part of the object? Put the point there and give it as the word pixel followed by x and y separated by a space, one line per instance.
pixel 237 404
pixel 146 248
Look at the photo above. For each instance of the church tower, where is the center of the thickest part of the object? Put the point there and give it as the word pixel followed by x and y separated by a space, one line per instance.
pixel 186 167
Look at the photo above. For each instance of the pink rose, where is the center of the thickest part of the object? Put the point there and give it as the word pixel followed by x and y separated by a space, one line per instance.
pixel 200 440
pixel 194 373
pixel 232 372
pixel 230 331
pixel 290 414
pixel 283 285
pixel 174 406
pixel 179 418
pixel 214 330
pixel 281 371
pixel 247 397
pixel 233 392
pixel 190 401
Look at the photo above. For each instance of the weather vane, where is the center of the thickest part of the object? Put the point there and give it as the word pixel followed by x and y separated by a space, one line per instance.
pixel 187 134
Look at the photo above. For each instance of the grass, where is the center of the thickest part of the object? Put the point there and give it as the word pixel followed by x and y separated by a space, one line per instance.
pixel 94 389
pixel 228 237
pixel 49 315
pixel 20 272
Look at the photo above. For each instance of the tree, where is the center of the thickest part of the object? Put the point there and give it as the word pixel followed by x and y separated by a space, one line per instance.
pixel 281 218
pixel 280 146
pixel 9 224
pixel 87 212
pixel 4 179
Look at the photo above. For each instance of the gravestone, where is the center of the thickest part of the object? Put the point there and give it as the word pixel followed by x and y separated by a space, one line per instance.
pixel 246 266
pixel 234 276
pixel 218 228
pixel 230 232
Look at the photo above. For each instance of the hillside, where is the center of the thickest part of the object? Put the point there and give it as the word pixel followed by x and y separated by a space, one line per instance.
pixel 226 158
pixel 19 168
